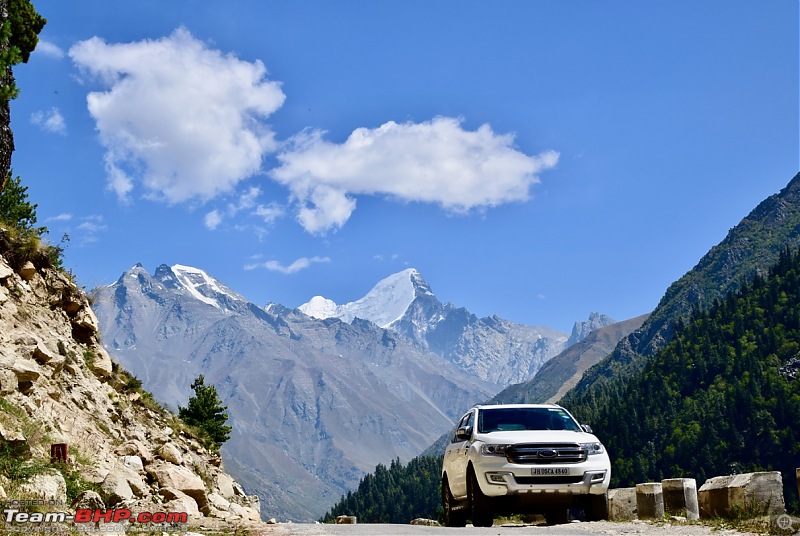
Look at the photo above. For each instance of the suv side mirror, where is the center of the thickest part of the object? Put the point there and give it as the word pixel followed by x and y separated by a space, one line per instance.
pixel 464 433
pixel 587 428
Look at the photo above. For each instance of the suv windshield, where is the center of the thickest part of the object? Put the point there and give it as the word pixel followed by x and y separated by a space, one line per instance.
pixel 505 419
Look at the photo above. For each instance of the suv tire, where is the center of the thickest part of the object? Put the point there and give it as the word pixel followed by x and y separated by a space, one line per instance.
pixel 557 516
pixel 452 517
pixel 478 502
pixel 596 508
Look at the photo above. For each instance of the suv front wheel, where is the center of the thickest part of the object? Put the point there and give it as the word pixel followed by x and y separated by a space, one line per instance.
pixel 478 502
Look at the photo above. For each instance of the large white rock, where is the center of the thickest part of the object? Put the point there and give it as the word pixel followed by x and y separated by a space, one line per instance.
pixel 177 501
pixel 49 486
pixel 123 483
pixel 5 270
pixel 132 462
pixel 180 478
pixel 225 486
pixel 170 453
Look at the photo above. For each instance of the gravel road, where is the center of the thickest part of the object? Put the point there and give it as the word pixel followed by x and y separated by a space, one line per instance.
pixel 571 529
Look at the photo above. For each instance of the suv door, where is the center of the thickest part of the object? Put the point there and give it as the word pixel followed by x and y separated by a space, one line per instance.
pixel 458 452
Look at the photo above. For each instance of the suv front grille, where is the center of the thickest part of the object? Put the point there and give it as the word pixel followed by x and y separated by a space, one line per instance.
pixel 546 453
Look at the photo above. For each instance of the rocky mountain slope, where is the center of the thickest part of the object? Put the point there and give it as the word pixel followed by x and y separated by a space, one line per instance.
pixel 314 404
pixel 59 386
pixel 563 372
pixel 493 349
pixel 750 247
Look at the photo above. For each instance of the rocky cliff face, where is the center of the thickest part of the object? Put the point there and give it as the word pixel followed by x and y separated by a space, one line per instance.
pixel 59 386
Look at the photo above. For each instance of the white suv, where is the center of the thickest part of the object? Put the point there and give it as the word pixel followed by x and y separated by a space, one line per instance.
pixel 523 458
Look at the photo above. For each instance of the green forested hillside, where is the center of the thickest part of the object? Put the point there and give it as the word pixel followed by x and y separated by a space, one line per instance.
pixel 714 401
pixel 394 495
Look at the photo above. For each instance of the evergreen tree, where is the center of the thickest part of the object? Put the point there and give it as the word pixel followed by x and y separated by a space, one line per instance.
pixel 15 209
pixel 396 494
pixel 206 412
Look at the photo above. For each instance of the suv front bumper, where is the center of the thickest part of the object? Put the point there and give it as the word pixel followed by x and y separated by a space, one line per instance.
pixel 590 477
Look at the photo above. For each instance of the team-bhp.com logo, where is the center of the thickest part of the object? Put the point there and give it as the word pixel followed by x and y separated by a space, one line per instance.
pixel 87 515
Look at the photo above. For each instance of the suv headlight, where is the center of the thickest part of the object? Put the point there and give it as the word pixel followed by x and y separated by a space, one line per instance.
pixel 493 450
pixel 593 448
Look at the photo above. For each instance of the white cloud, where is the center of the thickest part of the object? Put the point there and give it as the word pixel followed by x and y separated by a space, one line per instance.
pixel 300 264
pixel 51 121
pixel 91 227
pixel 88 230
pixel 47 48
pixel 184 120
pixel 436 161
pixel 64 216
pixel 212 219
pixel 269 213
pixel 248 199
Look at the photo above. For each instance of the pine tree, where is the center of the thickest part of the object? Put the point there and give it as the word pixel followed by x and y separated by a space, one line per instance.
pixel 206 412
pixel 15 209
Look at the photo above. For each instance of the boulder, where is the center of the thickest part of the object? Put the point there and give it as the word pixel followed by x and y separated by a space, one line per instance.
pixel 218 502
pixel 170 453
pixel 181 479
pixel 27 271
pixel 177 501
pixel 135 448
pixel 252 502
pixel 25 370
pixel 8 381
pixel 224 484
pixel 5 270
pixel 101 364
pixel 14 438
pixel 116 488
pixel 47 486
pixel 43 354
pixel 88 499
pixel 132 462
pixel 123 483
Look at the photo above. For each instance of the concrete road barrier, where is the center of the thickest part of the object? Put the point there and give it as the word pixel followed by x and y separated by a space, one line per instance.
pixel 680 497
pixel 749 493
pixel 622 504
pixel 649 500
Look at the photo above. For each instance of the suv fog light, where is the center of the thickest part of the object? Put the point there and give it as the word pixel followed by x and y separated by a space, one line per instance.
pixel 497 478
pixel 599 477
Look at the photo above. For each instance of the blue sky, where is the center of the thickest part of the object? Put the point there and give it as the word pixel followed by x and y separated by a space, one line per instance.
pixel 537 160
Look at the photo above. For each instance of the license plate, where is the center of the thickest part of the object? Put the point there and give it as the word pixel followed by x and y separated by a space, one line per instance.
pixel 549 471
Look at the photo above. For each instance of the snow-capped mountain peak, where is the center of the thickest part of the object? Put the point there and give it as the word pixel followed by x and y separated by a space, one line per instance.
pixel 386 303
pixel 197 284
